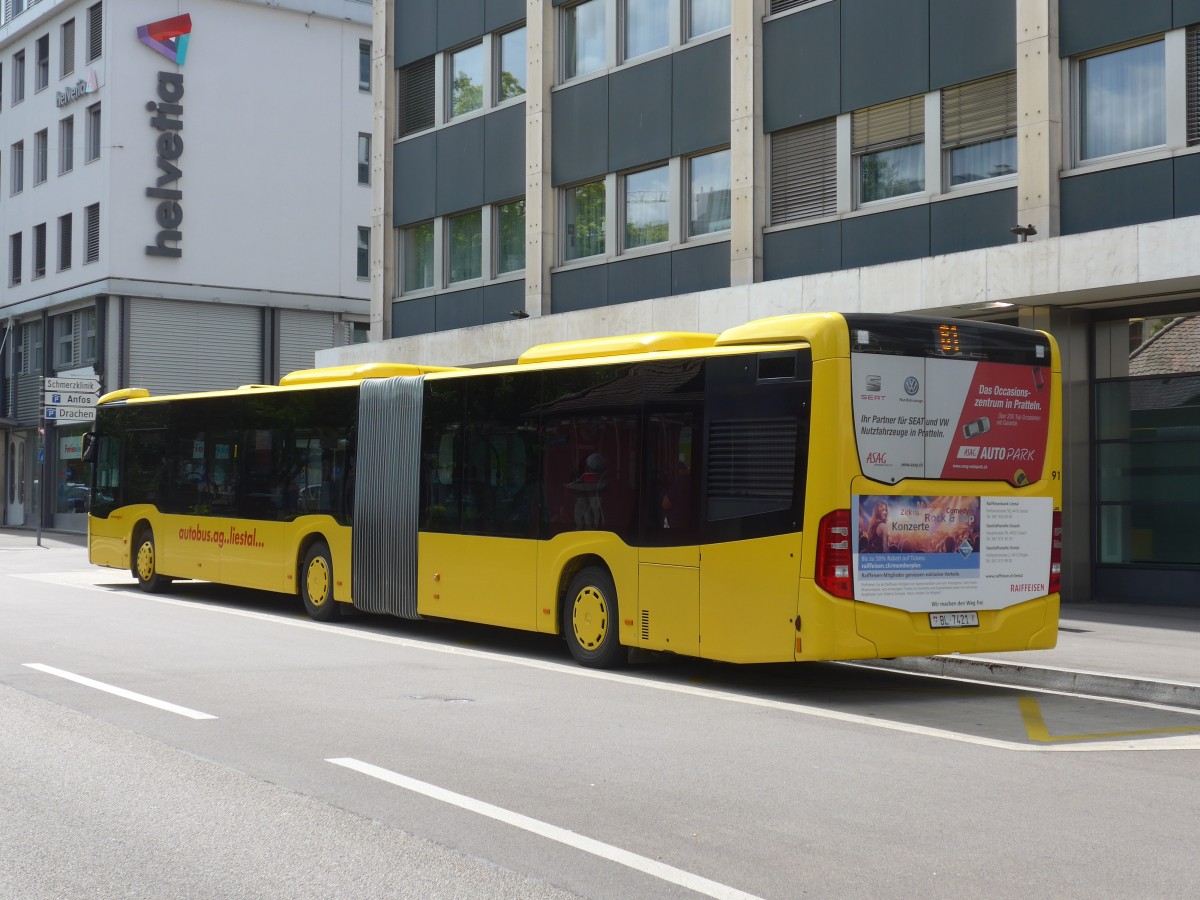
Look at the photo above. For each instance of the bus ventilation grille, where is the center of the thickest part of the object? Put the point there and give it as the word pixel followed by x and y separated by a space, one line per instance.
pixel 645 624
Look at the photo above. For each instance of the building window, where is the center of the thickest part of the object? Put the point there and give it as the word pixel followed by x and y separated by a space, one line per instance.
pixel 41 74
pixel 14 258
pixel 67 46
pixel 364 158
pixel 979 129
pixel 417 95
pixel 705 16
pixel 95 46
pixel 41 154
pixel 64 242
pixel 510 237
pixel 889 149
pixel 583 220
pixel 709 190
pixel 464 238
pixel 466 80
pixel 1193 86
pixel 18 76
pixel 510 65
pixel 89 336
pixel 364 66
pixel 29 350
pixel 417 250
pixel 647 208
pixel 39 251
pixel 646 26
pixel 583 38
pixel 364 253
pixel 804 172
pixel 91 223
pixel 1 86
pixel 17 163
pixel 64 341
pixel 1122 101
pixel 92 146
pixel 66 145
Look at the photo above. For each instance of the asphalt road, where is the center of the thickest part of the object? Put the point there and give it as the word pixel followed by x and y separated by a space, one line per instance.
pixel 263 755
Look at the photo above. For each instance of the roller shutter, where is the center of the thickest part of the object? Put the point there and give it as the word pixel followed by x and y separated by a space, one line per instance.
pixel 301 335
pixel 176 347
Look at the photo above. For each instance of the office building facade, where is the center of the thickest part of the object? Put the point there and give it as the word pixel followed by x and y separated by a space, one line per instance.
pixel 184 205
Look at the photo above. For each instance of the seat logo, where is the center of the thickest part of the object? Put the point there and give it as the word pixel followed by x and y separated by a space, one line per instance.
pixel 169 37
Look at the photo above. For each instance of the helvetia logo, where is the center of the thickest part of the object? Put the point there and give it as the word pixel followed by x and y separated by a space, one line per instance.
pixel 169 37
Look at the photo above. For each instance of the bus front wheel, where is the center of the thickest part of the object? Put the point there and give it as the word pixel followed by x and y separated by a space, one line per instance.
pixel 316 583
pixel 590 619
pixel 145 563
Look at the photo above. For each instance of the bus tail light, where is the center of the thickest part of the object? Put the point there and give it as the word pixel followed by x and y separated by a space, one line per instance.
pixel 834 556
pixel 1055 553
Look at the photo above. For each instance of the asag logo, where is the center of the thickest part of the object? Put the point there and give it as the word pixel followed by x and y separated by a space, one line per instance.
pixel 169 37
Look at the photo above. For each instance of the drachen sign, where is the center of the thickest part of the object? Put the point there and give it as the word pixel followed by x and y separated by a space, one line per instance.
pixel 170 38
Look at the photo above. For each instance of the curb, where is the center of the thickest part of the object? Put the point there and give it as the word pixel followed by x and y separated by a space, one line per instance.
pixel 1068 681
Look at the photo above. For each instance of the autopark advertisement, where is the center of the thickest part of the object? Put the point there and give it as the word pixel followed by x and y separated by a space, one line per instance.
pixel 927 553
pixel 950 418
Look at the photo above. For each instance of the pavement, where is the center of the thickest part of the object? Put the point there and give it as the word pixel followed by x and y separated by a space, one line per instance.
pixel 1126 651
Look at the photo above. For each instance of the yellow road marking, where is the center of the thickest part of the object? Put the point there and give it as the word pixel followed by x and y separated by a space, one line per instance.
pixel 1035 727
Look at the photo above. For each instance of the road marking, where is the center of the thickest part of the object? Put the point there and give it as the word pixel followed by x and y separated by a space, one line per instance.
pixel 1035 727
pixel 120 692
pixel 87 580
pixel 535 826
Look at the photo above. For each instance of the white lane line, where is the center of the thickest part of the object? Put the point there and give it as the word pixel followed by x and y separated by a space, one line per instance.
pixel 575 671
pixel 120 692
pixel 572 839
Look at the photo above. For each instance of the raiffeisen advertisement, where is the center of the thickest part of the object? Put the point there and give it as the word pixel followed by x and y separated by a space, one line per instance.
pixel 950 418
pixel 925 554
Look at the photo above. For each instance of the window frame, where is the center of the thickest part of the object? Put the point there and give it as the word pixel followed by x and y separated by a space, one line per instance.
pixel 364 55
pixel 624 246
pixel 1077 63
pixel 66 144
pixel 16 254
pixel 41 63
pixel 448 80
pixel 363 253
pixel 66 238
pixel 364 165
pixel 447 269
pixel 66 64
pixel 609 182
pixel 685 196
pixel 438 236
pixel 1011 132
pixel 16 163
pixel 497 66
pixel 93 133
pixel 41 156
pixel 18 77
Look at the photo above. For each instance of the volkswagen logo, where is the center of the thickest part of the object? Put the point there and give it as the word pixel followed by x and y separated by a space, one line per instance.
pixel 911 385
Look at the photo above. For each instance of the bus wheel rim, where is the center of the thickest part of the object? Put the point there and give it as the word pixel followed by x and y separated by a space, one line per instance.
pixel 318 582
pixel 145 561
pixel 589 618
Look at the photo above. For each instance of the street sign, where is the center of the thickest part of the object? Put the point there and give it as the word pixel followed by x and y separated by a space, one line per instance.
pixel 72 385
pixel 61 398
pixel 55 414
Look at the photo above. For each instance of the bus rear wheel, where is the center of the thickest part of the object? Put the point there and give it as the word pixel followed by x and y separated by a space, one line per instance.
pixel 145 563
pixel 590 619
pixel 316 583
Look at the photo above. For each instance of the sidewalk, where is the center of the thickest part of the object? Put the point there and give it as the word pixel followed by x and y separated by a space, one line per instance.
pixel 1122 650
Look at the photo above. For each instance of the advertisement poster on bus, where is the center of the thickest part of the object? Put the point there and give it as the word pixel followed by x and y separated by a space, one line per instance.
pixel 931 553
pixel 950 418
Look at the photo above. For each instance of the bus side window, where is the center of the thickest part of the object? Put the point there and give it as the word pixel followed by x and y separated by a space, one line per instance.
pixel 441 458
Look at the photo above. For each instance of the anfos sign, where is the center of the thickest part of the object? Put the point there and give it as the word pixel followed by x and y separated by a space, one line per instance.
pixel 170 38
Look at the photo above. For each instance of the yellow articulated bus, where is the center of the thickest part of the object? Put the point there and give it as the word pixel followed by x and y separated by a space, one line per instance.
pixel 807 487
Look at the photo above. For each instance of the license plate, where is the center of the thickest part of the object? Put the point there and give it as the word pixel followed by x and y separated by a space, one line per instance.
pixel 954 620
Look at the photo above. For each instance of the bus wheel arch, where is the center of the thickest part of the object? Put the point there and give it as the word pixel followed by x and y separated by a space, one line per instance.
pixel 143 559
pixel 314 578
pixel 589 614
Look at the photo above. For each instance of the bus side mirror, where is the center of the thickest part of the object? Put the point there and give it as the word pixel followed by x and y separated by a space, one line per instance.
pixel 89 446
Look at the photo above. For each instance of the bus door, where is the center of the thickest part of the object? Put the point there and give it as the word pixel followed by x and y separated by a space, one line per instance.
pixel 668 615
pixel 189 539
pixel 477 547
